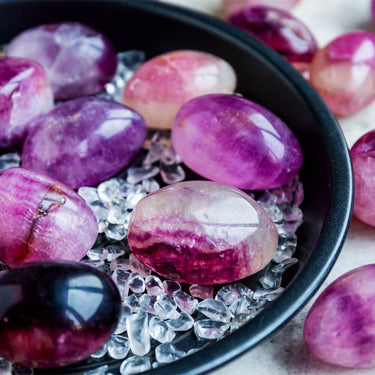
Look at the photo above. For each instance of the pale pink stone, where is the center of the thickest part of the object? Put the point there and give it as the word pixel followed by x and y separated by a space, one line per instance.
pixel 231 6
pixel 160 86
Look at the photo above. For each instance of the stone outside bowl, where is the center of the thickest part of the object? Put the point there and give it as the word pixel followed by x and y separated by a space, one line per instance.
pixel 264 77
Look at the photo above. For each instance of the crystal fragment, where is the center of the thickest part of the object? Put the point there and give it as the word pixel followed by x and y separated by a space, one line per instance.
pixel 138 333
pixel 138 174
pixel 172 174
pixel 160 331
pixel 150 185
pixel 147 303
pixel 133 302
pixel 185 302
pixel 120 278
pixel 230 293
pixel 135 365
pixel 137 266
pixel 210 329
pixel 97 254
pixel 120 264
pixel 89 194
pixel 108 190
pixel 241 306
pixel 101 370
pixel 115 252
pixel 118 347
pixel 5 367
pixel 101 352
pixel 183 323
pixel 270 280
pixel 154 152
pixel 9 161
pixel 167 353
pixel 116 232
pixel 268 294
pixel 214 309
pixel 154 285
pixel 126 311
pixel 171 286
pixel 118 212
pixel 136 282
pixel 135 196
pixel 238 321
pixel 165 307
pixel 201 291
pixel 282 266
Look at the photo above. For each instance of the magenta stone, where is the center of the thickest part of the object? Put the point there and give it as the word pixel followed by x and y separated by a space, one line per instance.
pixel 201 232
pixel 231 6
pixel 279 30
pixel 343 72
pixel 340 326
pixel 232 140
pixel 41 219
pixel 78 60
pixel 84 141
pixel 24 93
pixel 55 313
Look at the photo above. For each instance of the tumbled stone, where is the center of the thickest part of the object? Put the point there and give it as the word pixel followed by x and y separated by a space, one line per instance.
pixel 24 93
pixel 161 85
pixel 55 313
pixel 231 6
pixel 78 60
pixel 235 141
pixel 343 72
pixel 84 141
pixel 339 328
pixel 201 232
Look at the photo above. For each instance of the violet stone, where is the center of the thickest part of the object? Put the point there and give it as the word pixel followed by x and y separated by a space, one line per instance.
pixel 340 326
pixel 279 29
pixel 343 72
pixel 78 60
pixel 41 219
pixel 232 140
pixel 84 141
pixel 201 232
pixel 161 85
pixel 231 6
pixel 24 93
pixel 55 313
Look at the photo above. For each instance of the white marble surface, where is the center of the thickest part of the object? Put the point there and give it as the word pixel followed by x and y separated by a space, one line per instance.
pixel 285 352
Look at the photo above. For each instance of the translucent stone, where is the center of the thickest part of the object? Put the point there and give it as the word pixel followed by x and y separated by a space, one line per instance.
pixel 135 365
pixel 268 294
pixel 201 291
pixel 118 212
pixel 160 331
pixel 135 196
pixel 171 286
pixel 273 156
pixel 100 210
pixel 171 174
pixel 132 59
pixel 201 232
pixel 126 311
pixel 138 333
pixel 238 321
pixel 120 278
pixel 274 213
pixel 136 282
pixel 230 293
pixel 271 280
pixel 118 347
pixel 282 266
pixel 137 266
pixel 125 188
pixel 231 6
pixel 5 367
pixel 120 264
pixel 97 254
pixel 115 252
pixel 133 302
pixel 183 323
pixel 161 85
pixel 241 306
pixel 93 262
pixel 185 302
pixel 137 174
pixel 9 161
pixel 214 309
pixel 147 303
pixel 165 307
pixel 343 72
pixel 101 352
pixel 108 190
pixel 89 194
pixel 101 370
pixel 167 353
pixel 210 329
pixel 155 150
pixel 116 232
pixel 154 285
pixel 150 185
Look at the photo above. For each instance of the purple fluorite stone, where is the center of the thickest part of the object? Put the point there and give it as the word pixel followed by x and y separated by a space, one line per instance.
pixel 24 93
pixel 41 219
pixel 201 232
pixel 279 30
pixel 232 140
pixel 78 60
pixel 84 141
pixel 55 313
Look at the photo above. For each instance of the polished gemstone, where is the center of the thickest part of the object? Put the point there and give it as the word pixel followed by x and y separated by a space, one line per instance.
pixel 343 72
pixel 231 6
pixel 84 141
pixel 55 313
pixel 42 219
pixel 78 60
pixel 24 93
pixel 202 232
pixel 340 326
pixel 235 141
pixel 160 86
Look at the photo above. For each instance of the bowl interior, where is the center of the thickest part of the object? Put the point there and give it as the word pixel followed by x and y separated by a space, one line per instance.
pixel 264 77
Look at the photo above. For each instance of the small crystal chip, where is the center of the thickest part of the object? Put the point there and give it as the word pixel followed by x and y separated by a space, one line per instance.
pixel 89 194
pixel 115 232
pixel 210 329
pixel 238 321
pixel 270 280
pixel 268 294
pixel 126 311
pixel 97 254
pixel 171 286
pixel 100 353
pixel 160 331
pixel 118 212
pixel 114 252
pixel 183 323
pixel 137 266
pixel 135 196
pixel 154 285
pixel 9 161
pixel 118 347
pixel 108 190
pixel 133 302
pixel 185 302
pixel 147 303
pixel 136 282
pixel 102 370
pixel 138 174
pixel 135 365
pixel 201 291
pixel 167 353
pixel 120 278
pixel 165 307
pixel 138 333
pixel 214 309
pixel 120 264
pixel 241 306
pixel 150 185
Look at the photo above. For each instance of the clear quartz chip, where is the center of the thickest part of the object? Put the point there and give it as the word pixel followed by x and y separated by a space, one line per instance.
pixel 160 331
pixel 210 329
pixel 120 264
pixel 133 302
pixel 137 266
pixel 118 212
pixel 165 307
pixel 147 303
pixel 238 321
pixel 138 333
pixel 89 194
pixel 116 232
pixel 108 190
pixel 114 252
pixel 101 370
pixel 126 311
pixel 101 352
pixel 135 365
pixel 118 347
pixel 268 294
pixel 167 353
pixel 136 282
pixel 9 161
pixel 154 285
pixel 138 174
pixel 171 174
pixel 201 291
pixel 214 309
pixel 241 306
pixel 120 278
pixel 270 280
pixel 183 323
pixel 97 254
pixel 150 185
pixel 135 196
pixel 185 302
pixel 171 286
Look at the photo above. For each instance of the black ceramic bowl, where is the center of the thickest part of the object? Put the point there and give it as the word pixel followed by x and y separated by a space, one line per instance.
pixel 264 77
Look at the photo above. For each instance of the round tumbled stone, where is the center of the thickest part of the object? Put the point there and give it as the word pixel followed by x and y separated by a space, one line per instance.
pixel 161 85
pixel 201 232
pixel 232 140
pixel 231 6
pixel 78 60
pixel 84 141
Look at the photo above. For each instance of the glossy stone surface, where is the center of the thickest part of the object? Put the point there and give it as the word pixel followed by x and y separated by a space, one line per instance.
pixel 363 161
pixel 41 219
pixel 78 60
pixel 24 93
pixel 279 30
pixel 231 6
pixel 232 140
pixel 160 86
pixel 343 72
pixel 340 326
pixel 202 232
pixel 55 313
pixel 84 141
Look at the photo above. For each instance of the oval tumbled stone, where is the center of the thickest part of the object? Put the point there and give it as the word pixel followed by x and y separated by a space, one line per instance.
pixel 55 313
pixel 232 140
pixel 201 232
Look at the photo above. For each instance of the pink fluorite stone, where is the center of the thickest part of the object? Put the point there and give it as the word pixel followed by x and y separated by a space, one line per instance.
pixel 343 72
pixel 202 232
pixel 24 93
pixel 363 160
pixel 340 327
pixel 231 6
pixel 78 60
pixel 232 140
pixel 160 86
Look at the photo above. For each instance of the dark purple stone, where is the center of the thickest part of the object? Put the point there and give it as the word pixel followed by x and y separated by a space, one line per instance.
pixel 55 313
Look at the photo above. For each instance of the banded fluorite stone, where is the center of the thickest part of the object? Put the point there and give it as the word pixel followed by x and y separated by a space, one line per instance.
pixel 201 232
pixel 55 313
pixel 161 85
pixel 232 140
